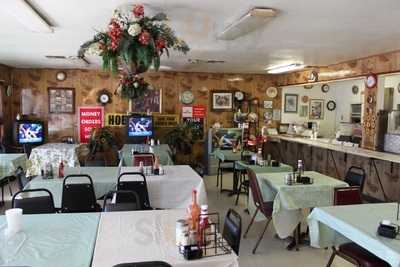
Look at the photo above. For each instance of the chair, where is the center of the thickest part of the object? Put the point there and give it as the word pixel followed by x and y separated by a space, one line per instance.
pixel 352 252
pixel 79 196
pixel 224 166
pixel 233 230
pixel 36 204
pixel 265 208
pixel 144 264
pixel 243 184
pixel 2 149
pixel 21 178
pixel 147 159
pixel 138 186
pixel 355 176
pixel 134 203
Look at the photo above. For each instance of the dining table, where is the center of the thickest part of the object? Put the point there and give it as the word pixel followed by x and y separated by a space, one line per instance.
pixel 332 226
pixel 48 240
pixel 126 237
pixel 162 151
pixel 163 189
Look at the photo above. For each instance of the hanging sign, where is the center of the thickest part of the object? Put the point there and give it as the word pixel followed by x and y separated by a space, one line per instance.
pixel 187 112
pixel 160 121
pixel 116 119
pixel 165 121
pixel 89 118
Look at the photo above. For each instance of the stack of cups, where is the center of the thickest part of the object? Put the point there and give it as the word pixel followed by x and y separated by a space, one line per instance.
pixel 14 221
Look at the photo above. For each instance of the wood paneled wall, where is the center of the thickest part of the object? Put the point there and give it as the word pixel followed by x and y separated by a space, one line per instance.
pixel 88 83
pixel 6 103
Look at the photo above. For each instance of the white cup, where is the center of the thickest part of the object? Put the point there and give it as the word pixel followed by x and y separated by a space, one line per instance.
pixel 152 142
pixel 14 221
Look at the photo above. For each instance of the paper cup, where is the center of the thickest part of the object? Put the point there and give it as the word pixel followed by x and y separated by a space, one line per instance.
pixel 14 221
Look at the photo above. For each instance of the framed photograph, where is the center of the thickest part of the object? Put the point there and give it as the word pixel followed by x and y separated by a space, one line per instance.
pixel 268 104
pixel 221 100
pixel 61 100
pixel 291 103
pixel 316 109
pixel 151 100
pixel 303 111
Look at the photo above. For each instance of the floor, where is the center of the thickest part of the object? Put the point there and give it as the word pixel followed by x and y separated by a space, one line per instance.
pixel 271 251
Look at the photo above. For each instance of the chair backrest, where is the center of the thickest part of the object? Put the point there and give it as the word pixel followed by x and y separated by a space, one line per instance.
pixel 265 207
pixel 139 185
pixel 131 196
pixel 144 264
pixel 347 195
pixel 355 176
pixel 21 178
pixel 146 158
pixel 78 197
pixel 233 230
pixel 2 149
pixel 34 204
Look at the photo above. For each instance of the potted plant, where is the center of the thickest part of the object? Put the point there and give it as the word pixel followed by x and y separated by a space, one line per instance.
pixel 103 146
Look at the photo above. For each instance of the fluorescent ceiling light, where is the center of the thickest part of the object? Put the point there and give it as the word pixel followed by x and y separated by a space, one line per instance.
pixel 28 16
pixel 250 21
pixel 284 68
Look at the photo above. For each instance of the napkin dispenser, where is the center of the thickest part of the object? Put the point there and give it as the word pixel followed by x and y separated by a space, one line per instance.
pixel 304 180
pixel 192 253
pixel 388 230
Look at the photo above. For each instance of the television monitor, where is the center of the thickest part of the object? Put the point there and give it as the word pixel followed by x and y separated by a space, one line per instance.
pixel 140 127
pixel 30 132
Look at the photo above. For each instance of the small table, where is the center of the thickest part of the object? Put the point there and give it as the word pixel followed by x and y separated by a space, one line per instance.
pixel 330 226
pixel 52 153
pixel 138 236
pixel 289 200
pixel 49 240
pixel 171 190
pixel 162 151
pixel 9 163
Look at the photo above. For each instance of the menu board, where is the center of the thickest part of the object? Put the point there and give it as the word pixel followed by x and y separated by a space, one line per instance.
pixel 89 118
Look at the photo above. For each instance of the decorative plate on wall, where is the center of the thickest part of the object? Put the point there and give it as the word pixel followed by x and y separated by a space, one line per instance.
pixel 325 88
pixel 239 96
pixel 355 89
pixel 272 92
pixel 331 105
pixel 187 97
pixel 304 99
pixel 371 81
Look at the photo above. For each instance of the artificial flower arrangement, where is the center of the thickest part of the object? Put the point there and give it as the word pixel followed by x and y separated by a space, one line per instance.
pixel 132 86
pixel 134 40
pixel 101 140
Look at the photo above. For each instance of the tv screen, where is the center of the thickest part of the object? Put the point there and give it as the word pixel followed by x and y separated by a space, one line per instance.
pixel 30 132
pixel 140 126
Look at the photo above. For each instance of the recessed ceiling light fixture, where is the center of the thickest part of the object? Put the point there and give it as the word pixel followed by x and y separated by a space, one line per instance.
pixel 28 16
pixel 284 68
pixel 254 18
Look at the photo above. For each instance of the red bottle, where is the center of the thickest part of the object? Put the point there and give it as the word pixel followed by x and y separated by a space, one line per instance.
pixel 193 212
pixel 204 224
pixel 61 170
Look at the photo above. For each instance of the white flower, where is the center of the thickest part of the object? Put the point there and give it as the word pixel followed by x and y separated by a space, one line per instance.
pixel 134 29
pixel 136 84
pixel 93 50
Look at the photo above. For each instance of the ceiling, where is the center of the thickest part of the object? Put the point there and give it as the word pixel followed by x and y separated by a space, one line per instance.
pixel 311 31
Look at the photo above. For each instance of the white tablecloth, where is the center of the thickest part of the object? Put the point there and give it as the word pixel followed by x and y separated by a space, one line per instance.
pixel 331 226
pixel 10 162
pixel 289 200
pixel 145 236
pixel 53 153
pixel 172 190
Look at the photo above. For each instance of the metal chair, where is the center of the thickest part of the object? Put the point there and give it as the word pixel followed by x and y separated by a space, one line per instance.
pixel 224 166
pixel 265 208
pixel 79 196
pixel 352 252
pixel 144 264
pixel 233 230
pixel 355 176
pixel 35 204
pixel 139 186
pixel 147 159
pixel 243 184
pixel 134 203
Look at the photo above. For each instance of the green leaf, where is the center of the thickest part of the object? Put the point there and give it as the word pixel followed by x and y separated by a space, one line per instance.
pixel 157 63
pixel 159 17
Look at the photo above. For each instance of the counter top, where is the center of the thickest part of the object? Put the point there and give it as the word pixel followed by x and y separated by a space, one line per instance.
pixel 325 143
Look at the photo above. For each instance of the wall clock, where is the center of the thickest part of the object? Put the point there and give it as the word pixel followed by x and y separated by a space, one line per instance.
pixel 272 92
pixel 371 81
pixel 104 97
pixel 187 97
pixel 61 76
pixel 325 88
pixel 239 96
pixel 355 89
pixel 331 105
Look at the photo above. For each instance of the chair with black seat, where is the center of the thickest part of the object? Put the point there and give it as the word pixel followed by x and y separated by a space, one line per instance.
pixel 136 182
pixel 78 195
pixel 355 176
pixel 265 208
pixel 131 197
pixel 352 252
pixel 147 159
pixel 223 167
pixel 233 230
pixel 35 204
pixel 144 264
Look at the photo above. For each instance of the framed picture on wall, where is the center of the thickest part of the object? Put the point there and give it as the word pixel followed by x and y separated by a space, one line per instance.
pixel 291 101
pixel 316 109
pixel 61 100
pixel 268 104
pixel 221 100
pixel 150 101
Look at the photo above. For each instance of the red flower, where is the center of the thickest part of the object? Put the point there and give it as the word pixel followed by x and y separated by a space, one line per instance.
pixel 160 44
pixel 144 38
pixel 138 11
pixel 115 33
